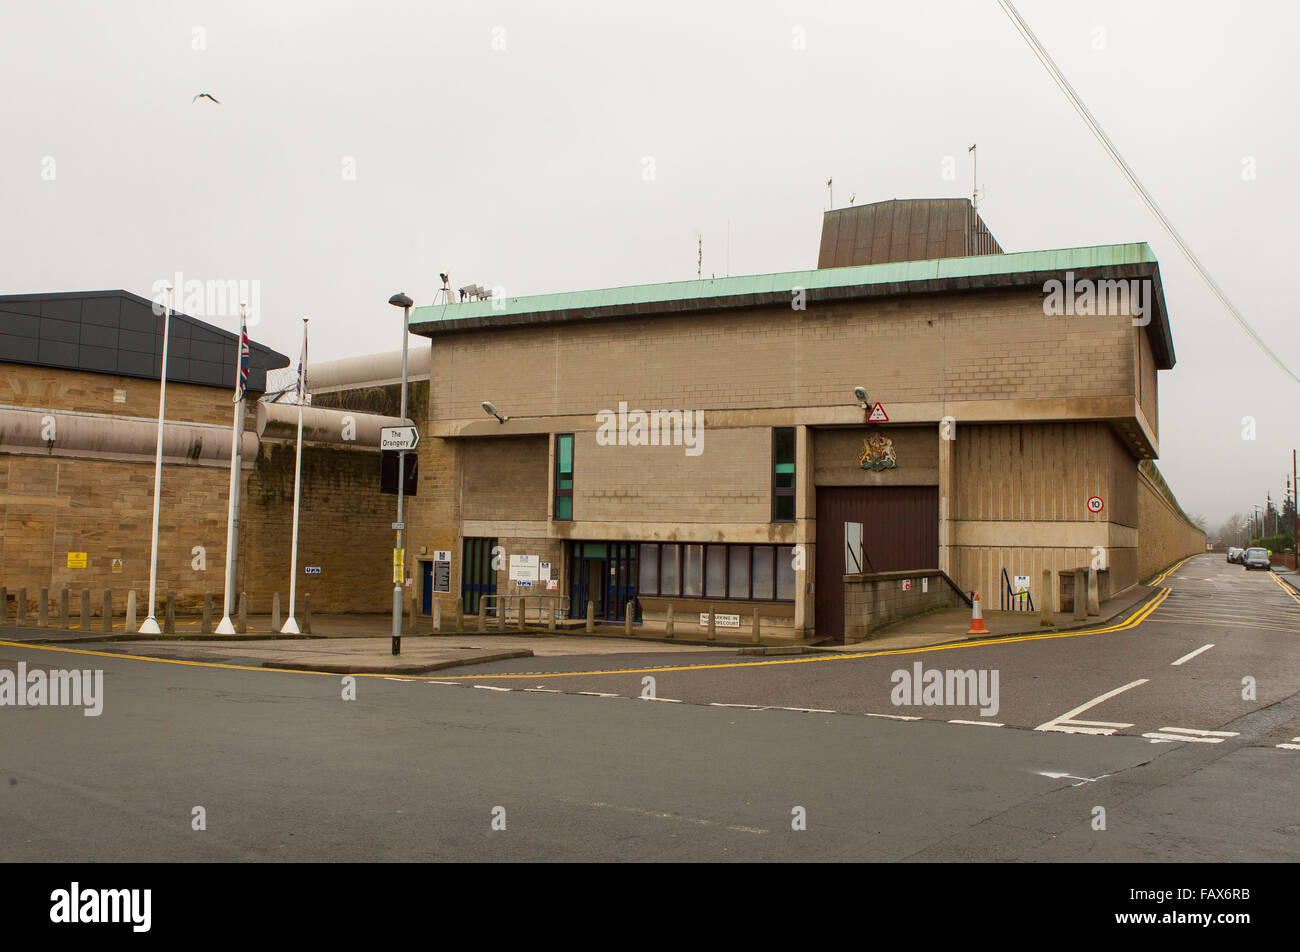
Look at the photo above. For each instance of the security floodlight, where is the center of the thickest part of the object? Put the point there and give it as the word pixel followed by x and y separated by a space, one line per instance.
pixel 489 409
pixel 861 394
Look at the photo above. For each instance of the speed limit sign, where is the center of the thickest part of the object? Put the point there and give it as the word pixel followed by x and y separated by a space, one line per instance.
pixel 1095 504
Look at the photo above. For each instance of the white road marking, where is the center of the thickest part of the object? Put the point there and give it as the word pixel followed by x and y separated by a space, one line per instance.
pixel 803 710
pixel 666 700
pixel 491 687
pixel 896 717
pixel 1061 775
pixel 1189 657
pixel 1066 725
pixel 979 723
pixel 1188 734
pixel 596 694
pixel 1290 746
pixel 544 690
pixel 455 684
pixel 752 707
pixel 399 679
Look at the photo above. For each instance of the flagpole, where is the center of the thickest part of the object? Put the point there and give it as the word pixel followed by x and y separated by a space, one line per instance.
pixel 291 624
pixel 150 626
pixel 227 627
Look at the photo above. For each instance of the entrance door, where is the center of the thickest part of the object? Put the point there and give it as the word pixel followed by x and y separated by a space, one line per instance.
pixel 604 573
pixel 900 531
pixel 426 587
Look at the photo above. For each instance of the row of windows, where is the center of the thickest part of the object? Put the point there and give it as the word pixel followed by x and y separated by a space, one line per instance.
pixel 763 572
pixel 783 475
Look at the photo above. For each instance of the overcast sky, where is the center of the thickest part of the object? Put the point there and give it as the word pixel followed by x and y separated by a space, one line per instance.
pixel 506 143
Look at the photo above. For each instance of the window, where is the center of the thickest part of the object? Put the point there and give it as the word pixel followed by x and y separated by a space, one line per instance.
pixel 721 571
pixel 783 444
pixel 563 476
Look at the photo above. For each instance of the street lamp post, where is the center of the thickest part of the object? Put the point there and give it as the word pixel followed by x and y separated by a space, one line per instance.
pixel 399 559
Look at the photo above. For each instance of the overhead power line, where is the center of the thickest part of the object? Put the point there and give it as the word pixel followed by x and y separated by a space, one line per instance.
pixel 1095 127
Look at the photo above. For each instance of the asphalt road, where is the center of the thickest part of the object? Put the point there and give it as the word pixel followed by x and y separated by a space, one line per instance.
pixel 415 769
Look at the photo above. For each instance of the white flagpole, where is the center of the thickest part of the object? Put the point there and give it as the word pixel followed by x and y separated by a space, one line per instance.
pixel 227 627
pixel 291 624
pixel 150 626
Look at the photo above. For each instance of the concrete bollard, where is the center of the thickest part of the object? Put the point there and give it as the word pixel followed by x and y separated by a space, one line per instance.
pixel 306 614
pixel 668 622
pixel 550 615
pixel 523 613
pixel 503 609
pixel 129 626
pixel 4 605
pixel 65 619
pixel 482 616
pixel 21 614
pixel 241 626
pixel 1080 594
pixel 627 618
pixel 1094 601
pixel 757 630
pixel 435 623
pixel 43 609
pixel 169 622
pixel 108 611
pixel 275 613
pixel 460 616
pixel 713 631
pixel 86 614
pixel 591 617
pixel 206 627
pixel 1048 599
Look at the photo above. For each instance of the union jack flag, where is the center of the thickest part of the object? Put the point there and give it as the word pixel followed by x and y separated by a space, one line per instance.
pixel 241 379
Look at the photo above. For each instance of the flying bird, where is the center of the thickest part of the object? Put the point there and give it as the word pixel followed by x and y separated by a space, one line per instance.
pixel 205 96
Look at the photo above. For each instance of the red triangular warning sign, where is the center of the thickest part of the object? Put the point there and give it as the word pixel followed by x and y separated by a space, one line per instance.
pixel 878 415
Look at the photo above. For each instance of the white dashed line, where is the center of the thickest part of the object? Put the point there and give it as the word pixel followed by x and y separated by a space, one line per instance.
pixel 979 723
pixel 896 717
pixel 1189 657
pixel 666 700
pixel 596 694
pixel 802 710
pixel 1294 745
pixel 543 691
pixel 491 687
pixel 399 679
pixel 455 684
pixel 751 707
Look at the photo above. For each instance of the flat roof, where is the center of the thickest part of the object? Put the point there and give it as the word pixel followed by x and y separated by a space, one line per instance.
pixel 935 275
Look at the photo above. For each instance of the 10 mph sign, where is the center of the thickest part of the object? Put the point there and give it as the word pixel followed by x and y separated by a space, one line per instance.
pixel 399 438
pixel 1095 504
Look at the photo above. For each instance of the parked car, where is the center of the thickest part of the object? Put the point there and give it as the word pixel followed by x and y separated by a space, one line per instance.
pixel 1256 558
pixel 1236 555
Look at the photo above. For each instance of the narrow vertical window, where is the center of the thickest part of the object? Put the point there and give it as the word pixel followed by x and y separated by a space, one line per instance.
pixel 783 443
pixel 563 476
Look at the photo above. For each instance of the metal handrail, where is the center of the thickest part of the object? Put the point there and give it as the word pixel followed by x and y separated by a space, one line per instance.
pixel 496 603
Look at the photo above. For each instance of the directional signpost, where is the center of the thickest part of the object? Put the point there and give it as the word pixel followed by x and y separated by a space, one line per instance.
pixel 399 438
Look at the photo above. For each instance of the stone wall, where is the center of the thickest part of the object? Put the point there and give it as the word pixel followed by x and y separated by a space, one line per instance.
pixel 872 602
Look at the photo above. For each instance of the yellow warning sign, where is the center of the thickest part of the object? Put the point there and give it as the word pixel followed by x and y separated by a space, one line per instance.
pixel 117 566
pixel 76 560
pixel 399 565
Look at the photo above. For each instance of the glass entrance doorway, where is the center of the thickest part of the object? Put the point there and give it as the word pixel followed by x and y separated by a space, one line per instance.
pixel 605 574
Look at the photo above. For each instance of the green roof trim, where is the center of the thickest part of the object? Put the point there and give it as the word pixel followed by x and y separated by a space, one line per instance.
pixel 893 272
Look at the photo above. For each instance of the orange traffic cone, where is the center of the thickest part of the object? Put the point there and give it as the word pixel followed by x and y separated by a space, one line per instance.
pixel 976 616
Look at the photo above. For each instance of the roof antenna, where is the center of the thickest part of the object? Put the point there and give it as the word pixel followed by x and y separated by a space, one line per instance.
pixel 699 258
pixel 830 193
pixel 444 293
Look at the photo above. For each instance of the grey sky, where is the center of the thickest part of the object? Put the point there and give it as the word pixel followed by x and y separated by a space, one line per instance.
pixel 522 166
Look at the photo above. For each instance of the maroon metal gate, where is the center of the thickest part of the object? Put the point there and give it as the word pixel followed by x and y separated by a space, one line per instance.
pixel 900 531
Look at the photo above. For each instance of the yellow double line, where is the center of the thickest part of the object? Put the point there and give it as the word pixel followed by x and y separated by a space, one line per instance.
pixel 1132 621
pixel 1286 588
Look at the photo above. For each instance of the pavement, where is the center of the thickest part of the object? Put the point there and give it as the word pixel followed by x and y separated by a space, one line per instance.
pixel 361 643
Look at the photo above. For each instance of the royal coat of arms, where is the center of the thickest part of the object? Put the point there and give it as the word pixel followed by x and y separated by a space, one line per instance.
pixel 877 453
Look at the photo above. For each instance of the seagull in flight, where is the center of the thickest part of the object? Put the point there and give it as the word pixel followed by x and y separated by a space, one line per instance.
pixel 205 96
